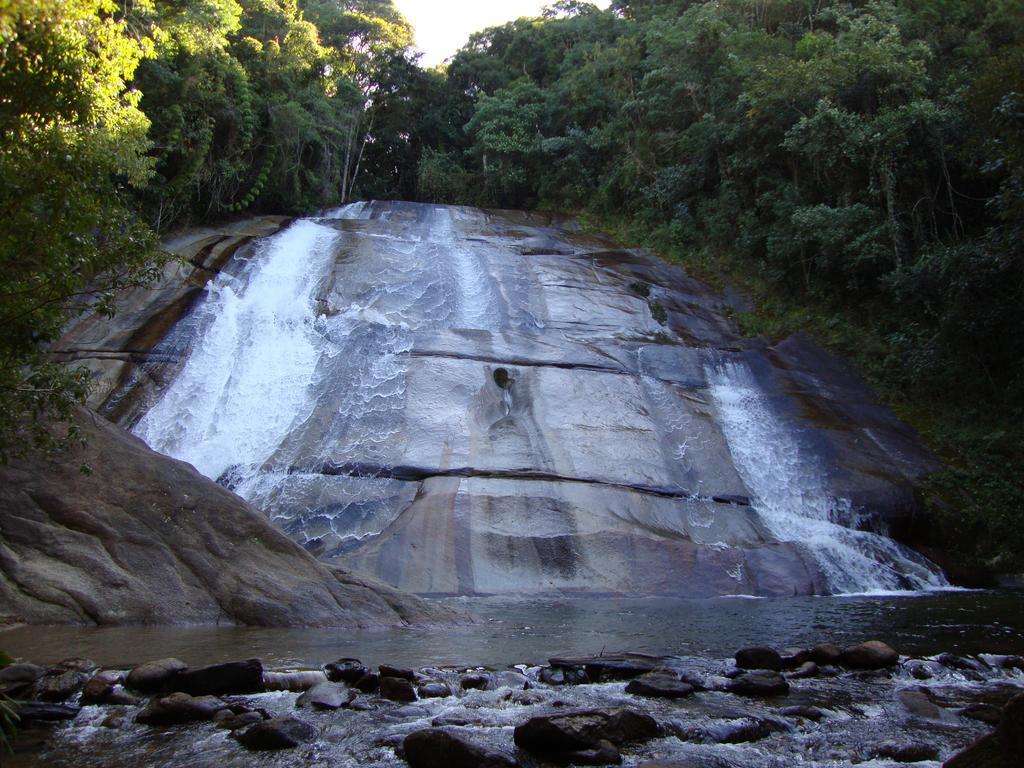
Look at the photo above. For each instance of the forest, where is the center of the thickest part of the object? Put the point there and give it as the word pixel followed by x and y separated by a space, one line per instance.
pixel 855 168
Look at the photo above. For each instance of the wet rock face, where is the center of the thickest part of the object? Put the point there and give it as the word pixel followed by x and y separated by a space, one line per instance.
pixel 503 405
pixel 145 539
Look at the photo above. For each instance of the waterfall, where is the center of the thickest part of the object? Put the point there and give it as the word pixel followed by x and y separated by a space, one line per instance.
pixel 791 496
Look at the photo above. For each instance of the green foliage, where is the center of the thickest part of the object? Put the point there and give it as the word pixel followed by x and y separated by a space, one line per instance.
pixel 72 142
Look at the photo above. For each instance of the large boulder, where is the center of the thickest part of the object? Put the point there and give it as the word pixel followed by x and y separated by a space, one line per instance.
pixel 154 676
pixel 219 679
pixel 144 539
pixel 179 708
pixel 572 732
pixel 874 654
pixel 759 658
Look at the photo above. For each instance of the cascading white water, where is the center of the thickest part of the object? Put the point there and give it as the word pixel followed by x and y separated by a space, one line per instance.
pixel 247 379
pixel 791 496
pixel 276 384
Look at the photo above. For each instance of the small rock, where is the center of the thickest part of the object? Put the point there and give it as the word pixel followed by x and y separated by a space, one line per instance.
pixel 806 711
pixel 826 653
pixel 435 747
pixel 99 687
pixel 434 690
pixel 179 708
pixel 475 681
pixel 397 689
pixel 807 669
pixel 508 679
pixel 910 752
pixel 873 654
pixel 59 685
pixel 155 676
pixel 345 670
pixel 233 722
pixel 564 676
pixel 759 683
pixel 386 670
pixel 919 705
pixel 218 679
pixel 659 685
pixel 115 720
pixel 758 658
pixel 368 683
pixel 326 696
pixel 277 733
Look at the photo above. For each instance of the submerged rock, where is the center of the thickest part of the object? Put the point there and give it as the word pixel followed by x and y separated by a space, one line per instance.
pixel 659 685
pixel 443 747
pixel 758 683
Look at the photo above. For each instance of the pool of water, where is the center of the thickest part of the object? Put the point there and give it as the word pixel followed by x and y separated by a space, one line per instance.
pixel 507 631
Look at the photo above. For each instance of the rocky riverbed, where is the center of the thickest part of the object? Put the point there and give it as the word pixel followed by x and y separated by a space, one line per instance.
pixel 820 706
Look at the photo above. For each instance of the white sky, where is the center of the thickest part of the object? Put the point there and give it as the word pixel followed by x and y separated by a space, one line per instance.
pixel 444 26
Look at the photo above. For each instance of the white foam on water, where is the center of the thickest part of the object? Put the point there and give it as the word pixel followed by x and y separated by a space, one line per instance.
pixel 788 484
pixel 247 378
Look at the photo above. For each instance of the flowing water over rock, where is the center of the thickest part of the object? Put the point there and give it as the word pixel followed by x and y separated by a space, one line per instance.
pixel 461 402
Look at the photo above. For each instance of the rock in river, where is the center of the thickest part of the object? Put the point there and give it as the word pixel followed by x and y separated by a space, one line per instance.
pixel 447 748
pixel 584 730
pixel 758 683
pixel 277 733
pixel 179 708
pixel 873 654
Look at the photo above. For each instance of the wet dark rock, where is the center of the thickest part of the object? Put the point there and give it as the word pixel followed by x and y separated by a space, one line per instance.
pixel 527 698
pixel 218 679
pixel 1012 662
pixel 758 658
pixel 386 670
pixel 59 685
pixel 443 747
pixel 475 681
pixel 906 752
pixel 1000 749
pixel 564 676
pixel 434 691
pixel 345 670
pixel 871 655
pixel 114 720
pixel 155 676
pixel 659 685
pixel 584 730
pixel 807 669
pixel 326 696
pixel 985 713
pixel 457 720
pixel 99 687
pixel 758 683
pixel 510 679
pixel 46 712
pixel 826 653
pixel 368 683
pixel 277 733
pixel 408 712
pixel 17 678
pixel 397 689
pixel 743 730
pixel 78 664
pixel 962 663
pixel 179 708
pixel 918 704
pixel 229 721
pixel 806 711
pixel 612 667
pixel 605 753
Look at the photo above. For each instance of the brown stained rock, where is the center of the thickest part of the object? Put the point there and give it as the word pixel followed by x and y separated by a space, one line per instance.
pixel 154 676
pixel 145 539
pixel 179 708
pixel 397 689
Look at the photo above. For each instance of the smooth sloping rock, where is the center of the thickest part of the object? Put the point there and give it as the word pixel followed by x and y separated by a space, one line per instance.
pixel 873 654
pixel 277 733
pixel 436 747
pixel 179 708
pixel 1000 749
pixel 146 539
